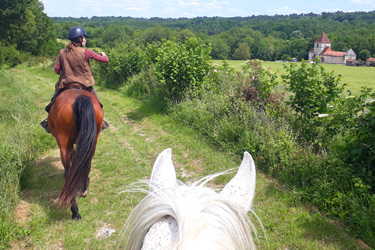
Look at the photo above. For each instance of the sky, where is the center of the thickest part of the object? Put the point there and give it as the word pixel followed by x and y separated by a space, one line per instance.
pixel 198 8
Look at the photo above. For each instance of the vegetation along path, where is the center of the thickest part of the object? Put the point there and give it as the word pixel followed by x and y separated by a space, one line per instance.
pixel 125 154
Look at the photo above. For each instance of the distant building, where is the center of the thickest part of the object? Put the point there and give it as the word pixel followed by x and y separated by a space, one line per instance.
pixel 322 49
pixel 370 61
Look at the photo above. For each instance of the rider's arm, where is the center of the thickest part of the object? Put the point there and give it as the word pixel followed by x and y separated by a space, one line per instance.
pixel 92 55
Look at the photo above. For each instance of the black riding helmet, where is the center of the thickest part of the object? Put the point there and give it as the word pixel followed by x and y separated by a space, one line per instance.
pixel 76 32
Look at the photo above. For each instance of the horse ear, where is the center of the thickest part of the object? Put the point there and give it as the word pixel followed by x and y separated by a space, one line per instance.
pixel 241 188
pixel 163 174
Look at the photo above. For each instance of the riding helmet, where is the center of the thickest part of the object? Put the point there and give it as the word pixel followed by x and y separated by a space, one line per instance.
pixel 76 32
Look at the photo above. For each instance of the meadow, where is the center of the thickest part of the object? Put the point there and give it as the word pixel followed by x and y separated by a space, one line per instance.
pixel 125 154
pixel 354 77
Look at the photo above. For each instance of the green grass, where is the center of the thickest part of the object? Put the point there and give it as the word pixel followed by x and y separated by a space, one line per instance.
pixel 355 77
pixel 125 153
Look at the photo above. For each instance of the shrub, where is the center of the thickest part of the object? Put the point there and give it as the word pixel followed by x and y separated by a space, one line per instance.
pixel 10 56
pixel 144 85
pixel 258 86
pixel 340 181
pixel 125 60
pixel 181 67
pixel 313 92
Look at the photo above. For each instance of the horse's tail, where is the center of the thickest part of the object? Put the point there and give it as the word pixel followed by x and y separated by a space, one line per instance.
pixel 86 131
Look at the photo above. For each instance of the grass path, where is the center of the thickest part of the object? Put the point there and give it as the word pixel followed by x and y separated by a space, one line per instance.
pixel 125 153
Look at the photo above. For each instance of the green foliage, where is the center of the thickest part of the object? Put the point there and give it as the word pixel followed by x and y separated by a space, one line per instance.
pixel 10 56
pixel 269 37
pixel 181 67
pixel 125 60
pixel 313 92
pixel 219 49
pixel 258 86
pixel 359 148
pixel 22 140
pixel 24 24
pixel 339 181
pixel 242 52
pixel 364 55
pixel 143 85
pixel 114 35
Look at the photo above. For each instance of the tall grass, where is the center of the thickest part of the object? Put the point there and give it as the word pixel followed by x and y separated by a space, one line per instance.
pixel 321 179
pixel 21 141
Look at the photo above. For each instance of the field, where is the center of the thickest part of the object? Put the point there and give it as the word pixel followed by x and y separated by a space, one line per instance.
pixel 125 154
pixel 355 77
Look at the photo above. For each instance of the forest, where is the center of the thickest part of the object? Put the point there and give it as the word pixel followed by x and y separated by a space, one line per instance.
pixel 30 31
pixel 279 37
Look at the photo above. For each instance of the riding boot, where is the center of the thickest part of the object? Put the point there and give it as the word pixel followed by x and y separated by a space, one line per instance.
pixel 44 124
pixel 92 90
pixel 105 125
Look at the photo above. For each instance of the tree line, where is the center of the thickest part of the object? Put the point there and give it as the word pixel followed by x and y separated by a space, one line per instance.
pixel 279 37
pixel 26 30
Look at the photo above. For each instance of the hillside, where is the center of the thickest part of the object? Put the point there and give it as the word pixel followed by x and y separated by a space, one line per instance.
pixel 268 37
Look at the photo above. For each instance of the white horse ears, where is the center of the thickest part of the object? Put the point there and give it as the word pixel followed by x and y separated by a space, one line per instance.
pixel 163 174
pixel 240 189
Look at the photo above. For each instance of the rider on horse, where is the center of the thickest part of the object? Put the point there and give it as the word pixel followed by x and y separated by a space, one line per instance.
pixel 73 66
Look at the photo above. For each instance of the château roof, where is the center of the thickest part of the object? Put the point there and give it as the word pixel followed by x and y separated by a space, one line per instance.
pixel 371 59
pixel 323 39
pixel 329 52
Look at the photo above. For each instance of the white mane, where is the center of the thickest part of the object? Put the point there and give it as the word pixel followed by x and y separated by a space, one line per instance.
pixel 181 217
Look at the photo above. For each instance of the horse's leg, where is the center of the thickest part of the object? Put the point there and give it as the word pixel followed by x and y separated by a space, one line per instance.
pixel 74 209
pixel 66 152
pixel 86 188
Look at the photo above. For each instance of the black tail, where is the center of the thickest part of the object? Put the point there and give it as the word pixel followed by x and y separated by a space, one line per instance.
pixel 84 113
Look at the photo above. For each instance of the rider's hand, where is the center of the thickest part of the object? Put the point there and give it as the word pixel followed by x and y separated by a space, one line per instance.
pixel 102 54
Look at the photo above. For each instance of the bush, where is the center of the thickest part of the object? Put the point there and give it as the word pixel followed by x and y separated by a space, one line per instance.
pixel 143 85
pixel 10 56
pixel 313 92
pixel 339 181
pixel 181 67
pixel 125 60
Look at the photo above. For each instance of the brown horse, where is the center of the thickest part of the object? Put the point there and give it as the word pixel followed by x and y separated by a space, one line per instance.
pixel 75 120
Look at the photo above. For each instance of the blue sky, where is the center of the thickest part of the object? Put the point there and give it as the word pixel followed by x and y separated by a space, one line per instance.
pixel 194 8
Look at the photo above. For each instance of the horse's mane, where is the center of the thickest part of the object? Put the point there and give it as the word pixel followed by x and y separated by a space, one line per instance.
pixel 195 208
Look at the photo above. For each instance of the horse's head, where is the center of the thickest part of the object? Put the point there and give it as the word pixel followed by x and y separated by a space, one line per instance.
pixel 178 216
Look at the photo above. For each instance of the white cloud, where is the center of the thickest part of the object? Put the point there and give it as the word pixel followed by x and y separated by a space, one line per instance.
pixel 170 10
pixel 285 11
pixel 372 2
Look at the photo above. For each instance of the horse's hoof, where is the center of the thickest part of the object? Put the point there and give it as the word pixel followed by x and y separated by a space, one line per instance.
pixel 76 217
pixel 84 194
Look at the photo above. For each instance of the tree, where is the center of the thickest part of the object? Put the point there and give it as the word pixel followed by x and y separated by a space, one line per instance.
pixel 23 23
pixel 242 52
pixel 181 67
pixel 219 49
pixel 364 55
pixel 184 34
pixel 116 34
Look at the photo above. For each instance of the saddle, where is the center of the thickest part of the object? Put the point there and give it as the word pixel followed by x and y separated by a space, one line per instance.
pixel 75 86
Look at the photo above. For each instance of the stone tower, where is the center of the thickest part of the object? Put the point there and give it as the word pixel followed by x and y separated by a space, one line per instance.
pixel 320 44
